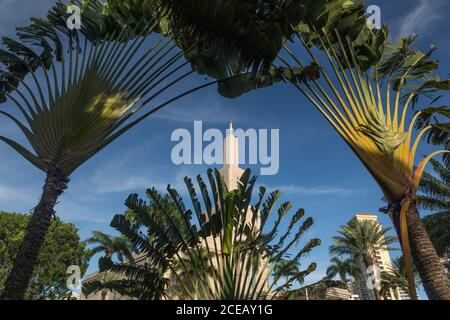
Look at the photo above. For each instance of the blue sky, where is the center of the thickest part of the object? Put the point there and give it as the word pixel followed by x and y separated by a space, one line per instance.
pixel 318 172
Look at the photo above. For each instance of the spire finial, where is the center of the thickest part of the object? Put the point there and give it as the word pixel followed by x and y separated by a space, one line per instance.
pixel 231 124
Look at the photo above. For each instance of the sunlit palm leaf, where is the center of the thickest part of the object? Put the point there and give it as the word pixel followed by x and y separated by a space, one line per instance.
pixel 363 113
pixel 91 99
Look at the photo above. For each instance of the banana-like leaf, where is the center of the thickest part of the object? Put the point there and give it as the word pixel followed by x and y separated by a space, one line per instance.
pixel 230 258
pixel 225 37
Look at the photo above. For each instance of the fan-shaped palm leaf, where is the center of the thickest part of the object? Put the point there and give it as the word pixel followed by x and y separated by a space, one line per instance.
pixel 83 100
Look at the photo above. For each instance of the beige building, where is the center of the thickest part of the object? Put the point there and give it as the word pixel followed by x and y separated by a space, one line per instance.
pixel 383 262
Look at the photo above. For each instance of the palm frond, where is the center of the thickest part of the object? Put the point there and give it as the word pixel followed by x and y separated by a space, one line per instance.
pixel 434 187
pixel 226 252
pixel 89 97
pixel 438 227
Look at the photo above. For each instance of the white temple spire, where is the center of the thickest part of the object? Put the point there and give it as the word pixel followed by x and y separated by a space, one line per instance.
pixel 231 171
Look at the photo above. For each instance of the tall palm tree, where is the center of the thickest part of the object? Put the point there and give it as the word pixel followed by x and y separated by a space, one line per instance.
pixel 373 121
pixel 361 240
pixel 342 268
pixel 111 247
pixel 239 236
pixel 435 196
pixel 87 94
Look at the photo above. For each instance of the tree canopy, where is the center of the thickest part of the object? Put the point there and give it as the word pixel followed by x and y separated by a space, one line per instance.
pixel 62 248
pixel 219 38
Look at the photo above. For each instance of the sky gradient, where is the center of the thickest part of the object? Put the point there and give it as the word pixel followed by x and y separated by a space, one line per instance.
pixel 318 172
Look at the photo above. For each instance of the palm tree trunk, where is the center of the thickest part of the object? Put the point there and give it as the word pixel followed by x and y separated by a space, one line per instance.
pixel 426 260
pixel 20 276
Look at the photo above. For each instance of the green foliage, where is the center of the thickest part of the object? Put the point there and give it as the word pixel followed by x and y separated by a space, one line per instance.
pixel 338 25
pixel 42 41
pixel 403 64
pixel 362 239
pixel 343 268
pixel 62 248
pixel 221 249
pixel 415 73
pixel 224 37
pixel 395 277
pixel 246 82
pixel 342 20
pixel 439 134
pixel 435 196
pixel 288 272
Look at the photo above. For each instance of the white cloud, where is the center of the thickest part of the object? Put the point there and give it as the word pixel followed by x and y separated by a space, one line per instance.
pixel 316 191
pixel 122 184
pixel 71 210
pixel 209 110
pixel 115 176
pixel 420 18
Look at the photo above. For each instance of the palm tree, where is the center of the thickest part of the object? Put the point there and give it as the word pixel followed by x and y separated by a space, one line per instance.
pixel 83 101
pixel 362 240
pixel 393 279
pixel 241 242
pixel 342 268
pixel 377 130
pixel 283 268
pixel 436 196
pixel 111 247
